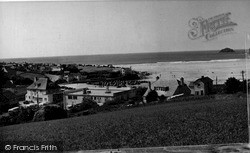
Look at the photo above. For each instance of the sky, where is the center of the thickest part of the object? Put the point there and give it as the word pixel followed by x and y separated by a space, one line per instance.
pixel 41 29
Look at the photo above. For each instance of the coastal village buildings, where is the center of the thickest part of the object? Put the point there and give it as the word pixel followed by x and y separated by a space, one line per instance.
pixel 100 95
pixel 43 91
pixel 202 86
pixel 172 89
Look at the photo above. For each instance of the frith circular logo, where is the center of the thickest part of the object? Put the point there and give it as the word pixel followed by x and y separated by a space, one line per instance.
pixel 7 147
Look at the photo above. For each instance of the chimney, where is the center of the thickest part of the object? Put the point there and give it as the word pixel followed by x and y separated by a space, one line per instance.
pixel 182 81
pixel 84 91
pixel 107 90
pixel 35 79
pixel 149 85
pixel 179 82
pixel 157 78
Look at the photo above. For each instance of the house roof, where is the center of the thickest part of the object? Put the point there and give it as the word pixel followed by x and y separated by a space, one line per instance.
pixel 171 84
pixel 182 89
pixel 160 83
pixel 53 78
pixel 44 84
pixel 204 80
pixel 40 84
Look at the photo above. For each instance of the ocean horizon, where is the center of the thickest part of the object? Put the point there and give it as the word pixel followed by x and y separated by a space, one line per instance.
pixel 133 58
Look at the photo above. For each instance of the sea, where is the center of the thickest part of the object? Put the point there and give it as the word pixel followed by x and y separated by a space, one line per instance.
pixel 168 65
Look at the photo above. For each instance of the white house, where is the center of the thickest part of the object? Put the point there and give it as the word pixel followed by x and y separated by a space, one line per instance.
pixel 202 86
pixel 43 91
pixel 167 88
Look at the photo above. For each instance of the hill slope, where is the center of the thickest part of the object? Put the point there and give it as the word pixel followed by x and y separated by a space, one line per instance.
pixel 181 123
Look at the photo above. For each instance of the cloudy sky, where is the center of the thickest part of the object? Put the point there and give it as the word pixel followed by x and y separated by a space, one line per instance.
pixel 37 29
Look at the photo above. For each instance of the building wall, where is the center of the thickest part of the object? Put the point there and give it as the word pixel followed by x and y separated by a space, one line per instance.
pixel 72 99
pixel 42 96
pixel 192 90
pixel 199 88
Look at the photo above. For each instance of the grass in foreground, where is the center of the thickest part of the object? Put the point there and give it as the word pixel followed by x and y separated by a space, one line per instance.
pixel 183 123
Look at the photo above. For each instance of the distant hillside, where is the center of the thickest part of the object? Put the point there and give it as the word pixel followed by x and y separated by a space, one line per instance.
pixel 227 50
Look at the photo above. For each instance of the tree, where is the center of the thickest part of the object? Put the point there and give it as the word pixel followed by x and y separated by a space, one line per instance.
pixel 232 85
pixel 152 96
pixel 3 77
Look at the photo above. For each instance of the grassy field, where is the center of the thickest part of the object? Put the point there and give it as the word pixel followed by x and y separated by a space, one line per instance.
pixel 213 121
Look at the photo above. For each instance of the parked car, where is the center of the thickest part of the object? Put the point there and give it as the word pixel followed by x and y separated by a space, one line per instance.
pixel 26 104
pixel 13 110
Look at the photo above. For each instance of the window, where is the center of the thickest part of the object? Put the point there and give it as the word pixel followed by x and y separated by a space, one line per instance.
pixel 196 92
pixel 201 92
pixel 45 99
pixel 70 97
pixel 74 97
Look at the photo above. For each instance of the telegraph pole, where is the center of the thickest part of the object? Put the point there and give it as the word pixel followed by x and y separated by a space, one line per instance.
pixel 242 73
pixel 247 80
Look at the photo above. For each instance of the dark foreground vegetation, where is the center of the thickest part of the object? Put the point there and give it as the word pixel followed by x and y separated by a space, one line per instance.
pixel 222 119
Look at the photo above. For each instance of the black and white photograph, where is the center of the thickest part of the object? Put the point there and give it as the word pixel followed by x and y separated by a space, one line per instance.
pixel 125 76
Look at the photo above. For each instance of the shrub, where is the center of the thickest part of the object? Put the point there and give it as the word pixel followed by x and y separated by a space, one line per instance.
pixel 232 85
pixel 5 120
pixel 85 105
pixel 113 102
pixel 152 96
pixel 50 112
pixel 25 115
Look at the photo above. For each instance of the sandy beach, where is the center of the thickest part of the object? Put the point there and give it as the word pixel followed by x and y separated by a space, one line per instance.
pixel 192 70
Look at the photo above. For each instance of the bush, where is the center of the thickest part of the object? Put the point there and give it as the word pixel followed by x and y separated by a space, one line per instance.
pixel 85 105
pixel 25 115
pixel 113 102
pixel 232 85
pixel 50 112
pixel 152 96
pixel 5 120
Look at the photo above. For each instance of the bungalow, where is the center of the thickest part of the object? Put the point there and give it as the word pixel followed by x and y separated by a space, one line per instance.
pixel 202 86
pixel 99 95
pixel 167 88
